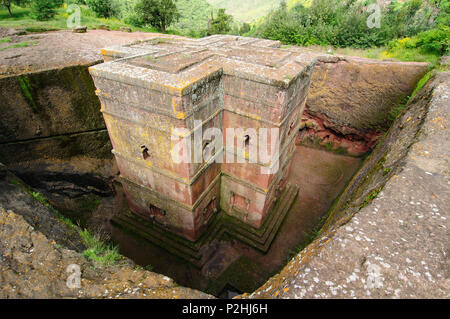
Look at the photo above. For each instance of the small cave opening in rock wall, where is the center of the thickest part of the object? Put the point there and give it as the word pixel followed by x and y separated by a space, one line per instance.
pixel 225 251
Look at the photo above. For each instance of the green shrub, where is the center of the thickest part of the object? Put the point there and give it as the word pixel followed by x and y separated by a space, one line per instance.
pixel 44 9
pixel 221 24
pixel 427 46
pixel 134 20
pixel 434 41
pixel 157 13
pixel 104 8
pixel 344 24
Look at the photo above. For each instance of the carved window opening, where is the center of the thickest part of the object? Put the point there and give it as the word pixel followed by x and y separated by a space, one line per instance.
pixel 145 154
pixel 246 141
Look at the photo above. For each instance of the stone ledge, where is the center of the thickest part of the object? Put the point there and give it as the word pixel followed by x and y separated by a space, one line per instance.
pixel 193 252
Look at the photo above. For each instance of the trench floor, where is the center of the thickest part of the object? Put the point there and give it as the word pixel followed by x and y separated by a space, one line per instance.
pixel 235 267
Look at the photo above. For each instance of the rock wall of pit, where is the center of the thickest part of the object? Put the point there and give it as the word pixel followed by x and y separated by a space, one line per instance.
pixel 53 114
pixel 388 234
pixel 353 101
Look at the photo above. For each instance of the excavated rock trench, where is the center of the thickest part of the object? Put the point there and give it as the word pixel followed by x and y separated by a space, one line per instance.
pixel 66 156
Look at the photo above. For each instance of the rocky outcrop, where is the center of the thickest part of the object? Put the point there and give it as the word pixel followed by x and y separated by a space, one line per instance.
pixel 74 186
pixel 48 103
pixel 36 250
pixel 15 196
pixel 353 101
pixel 32 266
pixel 395 246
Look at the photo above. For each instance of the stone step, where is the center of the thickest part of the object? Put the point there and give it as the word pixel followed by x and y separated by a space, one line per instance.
pixel 160 237
pixel 223 224
pixel 263 237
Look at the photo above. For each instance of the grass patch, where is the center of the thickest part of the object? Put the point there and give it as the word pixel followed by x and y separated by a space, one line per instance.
pixel 40 29
pixel 395 112
pixel 371 196
pixel 14 182
pixel 40 198
pixel 427 76
pixel 21 19
pixel 5 40
pixel 310 237
pixel 19 45
pixel 27 89
pixel 97 250
pixel 147 267
pixel 411 55
pixel 422 82
pixel 383 53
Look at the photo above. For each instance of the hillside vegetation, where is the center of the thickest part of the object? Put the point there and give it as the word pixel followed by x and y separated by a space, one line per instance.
pixel 194 14
pixel 22 18
pixel 252 10
pixel 248 10
pixel 412 30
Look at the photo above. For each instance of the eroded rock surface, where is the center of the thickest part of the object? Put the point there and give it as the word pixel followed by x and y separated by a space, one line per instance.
pixel 36 248
pixel 352 101
pixel 32 266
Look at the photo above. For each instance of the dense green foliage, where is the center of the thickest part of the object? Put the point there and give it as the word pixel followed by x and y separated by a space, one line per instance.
pixel 157 13
pixel 435 41
pixel 345 23
pixel 194 15
pixel 410 30
pixel 44 9
pixel 8 4
pixel 221 24
pixel 246 11
pixel 104 8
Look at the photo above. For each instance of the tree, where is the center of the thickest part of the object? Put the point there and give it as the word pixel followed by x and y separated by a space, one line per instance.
pixel 221 24
pixel 244 28
pixel 103 8
pixel 44 9
pixel 8 3
pixel 157 13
